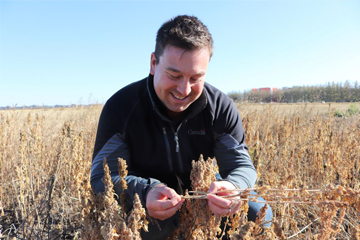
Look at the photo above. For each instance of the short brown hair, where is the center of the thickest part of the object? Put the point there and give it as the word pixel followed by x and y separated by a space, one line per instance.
pixel 186 32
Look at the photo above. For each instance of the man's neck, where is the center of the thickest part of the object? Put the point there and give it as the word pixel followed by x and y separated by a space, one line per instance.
pixel 176 117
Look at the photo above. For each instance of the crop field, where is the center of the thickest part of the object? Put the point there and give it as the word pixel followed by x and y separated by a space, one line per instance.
pixel 307 157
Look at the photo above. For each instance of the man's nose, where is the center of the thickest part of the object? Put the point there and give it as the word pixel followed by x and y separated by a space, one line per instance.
pixel 184 87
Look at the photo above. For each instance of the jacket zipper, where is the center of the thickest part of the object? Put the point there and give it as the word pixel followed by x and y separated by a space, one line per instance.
pixel 176 138
pixel 168 149
pixel 177 149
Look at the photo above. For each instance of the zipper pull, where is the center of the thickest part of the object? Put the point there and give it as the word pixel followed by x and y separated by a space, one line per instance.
pixel 177 142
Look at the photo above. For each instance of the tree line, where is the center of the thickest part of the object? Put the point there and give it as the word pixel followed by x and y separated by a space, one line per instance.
pixel 331 92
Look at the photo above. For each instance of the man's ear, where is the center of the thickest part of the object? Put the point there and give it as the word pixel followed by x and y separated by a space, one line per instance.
pixel 152 64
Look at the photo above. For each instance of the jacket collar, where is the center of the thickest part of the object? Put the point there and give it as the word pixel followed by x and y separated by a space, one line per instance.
pixel 160 108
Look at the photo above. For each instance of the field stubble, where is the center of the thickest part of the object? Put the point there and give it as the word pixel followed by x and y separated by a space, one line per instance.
pixel 45 161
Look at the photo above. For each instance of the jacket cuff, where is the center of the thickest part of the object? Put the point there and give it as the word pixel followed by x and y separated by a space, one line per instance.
pixel 152 183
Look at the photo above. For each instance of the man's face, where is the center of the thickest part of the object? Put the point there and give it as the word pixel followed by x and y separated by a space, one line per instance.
pixel 179 77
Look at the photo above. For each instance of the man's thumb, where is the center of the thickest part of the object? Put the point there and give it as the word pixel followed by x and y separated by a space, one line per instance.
pixel 212 188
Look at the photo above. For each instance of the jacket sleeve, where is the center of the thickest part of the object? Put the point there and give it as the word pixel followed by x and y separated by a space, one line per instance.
pixel 115 147
pixel 231 152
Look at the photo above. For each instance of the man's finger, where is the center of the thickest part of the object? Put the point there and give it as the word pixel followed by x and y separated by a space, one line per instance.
pixel 235 207
pixel 161 205
pixel 159 191
pixel 164 214
pixel 221 185
pixel 170 193
pixel 219 201
pixel 213 188
pixel 219 205
pixel 218 210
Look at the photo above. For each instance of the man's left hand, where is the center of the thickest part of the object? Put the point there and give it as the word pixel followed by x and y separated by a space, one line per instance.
pixel 220 205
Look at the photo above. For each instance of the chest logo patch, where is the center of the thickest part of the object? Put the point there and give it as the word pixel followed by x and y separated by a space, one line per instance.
pixel 197 132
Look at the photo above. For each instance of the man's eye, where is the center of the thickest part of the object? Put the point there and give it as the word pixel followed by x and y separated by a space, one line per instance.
pixel 175 77
pixel 195 79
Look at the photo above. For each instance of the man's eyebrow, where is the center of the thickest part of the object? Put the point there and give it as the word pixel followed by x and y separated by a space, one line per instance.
pixel 178 71
pixel 172 69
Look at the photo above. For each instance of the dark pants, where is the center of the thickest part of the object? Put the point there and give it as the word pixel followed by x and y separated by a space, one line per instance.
pixel 169 225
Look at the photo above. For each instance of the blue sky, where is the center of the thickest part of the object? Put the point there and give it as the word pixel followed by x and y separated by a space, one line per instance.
pixel 81 52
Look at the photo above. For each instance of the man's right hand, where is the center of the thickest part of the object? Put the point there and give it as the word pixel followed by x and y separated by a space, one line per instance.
pixel 162 202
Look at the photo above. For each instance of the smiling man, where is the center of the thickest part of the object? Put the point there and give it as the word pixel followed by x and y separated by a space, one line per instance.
pixel 164 121
pixel 179 78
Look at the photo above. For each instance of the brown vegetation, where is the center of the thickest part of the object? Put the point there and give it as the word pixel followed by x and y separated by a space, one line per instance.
pixel 307 161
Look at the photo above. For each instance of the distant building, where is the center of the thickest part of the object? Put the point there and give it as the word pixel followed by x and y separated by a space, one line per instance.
pixel 265 89
pixel 269 90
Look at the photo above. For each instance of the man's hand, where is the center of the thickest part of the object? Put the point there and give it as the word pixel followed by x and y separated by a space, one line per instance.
pixel 223 206
pixel 162 202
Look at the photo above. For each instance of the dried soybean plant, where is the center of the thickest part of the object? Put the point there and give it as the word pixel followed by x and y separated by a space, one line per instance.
pixel 42 162
pixel 333 202
pixel 196 219
pixel 103 216
pixel 304 149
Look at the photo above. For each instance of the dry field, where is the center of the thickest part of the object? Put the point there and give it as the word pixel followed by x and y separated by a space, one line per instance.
pixel 307 161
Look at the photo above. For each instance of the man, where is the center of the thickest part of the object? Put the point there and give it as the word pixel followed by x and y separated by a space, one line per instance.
pixel 163 122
